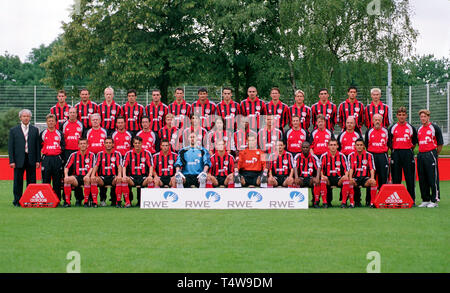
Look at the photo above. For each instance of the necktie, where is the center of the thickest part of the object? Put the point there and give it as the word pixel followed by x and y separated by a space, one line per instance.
pixel 25 133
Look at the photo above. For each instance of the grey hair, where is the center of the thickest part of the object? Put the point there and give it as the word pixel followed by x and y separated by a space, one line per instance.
pixel 375 90
pixel 109 88
pixel 95 115
pixel 25 111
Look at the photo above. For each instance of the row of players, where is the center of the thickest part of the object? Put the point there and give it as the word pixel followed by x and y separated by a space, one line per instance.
pixel 252 107
pixel 193 166
pixel 253 165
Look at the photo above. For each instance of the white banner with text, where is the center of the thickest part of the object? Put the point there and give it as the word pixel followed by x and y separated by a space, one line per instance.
pixel 224 198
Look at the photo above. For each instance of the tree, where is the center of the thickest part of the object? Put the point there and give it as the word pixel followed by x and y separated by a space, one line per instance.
pixel 129 44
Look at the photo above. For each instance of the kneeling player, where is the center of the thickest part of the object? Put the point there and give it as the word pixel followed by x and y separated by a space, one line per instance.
pixel 80 164
pixel 281 167
pixel 307 173
pixel 163 162
pixel 222 166
pixel 139 167
pixel 335 171
pixel 362 170
pixel 108 171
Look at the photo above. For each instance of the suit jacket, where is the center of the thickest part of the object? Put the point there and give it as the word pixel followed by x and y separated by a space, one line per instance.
pixel 16 146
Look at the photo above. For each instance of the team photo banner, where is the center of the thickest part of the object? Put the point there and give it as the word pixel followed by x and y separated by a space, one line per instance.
pixel 224 198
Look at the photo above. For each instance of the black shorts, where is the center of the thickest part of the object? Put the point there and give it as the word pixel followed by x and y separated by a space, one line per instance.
pixel 361 181
pixel 280 179
pixel 250 177
pixel 306 181
pixel 165 180
pixel 107 180
pixel 191 180
pixel 221 180
pixel 138 179
pixel 80 180
pixel 334 180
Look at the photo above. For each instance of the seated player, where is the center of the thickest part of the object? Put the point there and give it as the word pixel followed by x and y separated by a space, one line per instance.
pixel 108 171
pixel 192 164
pixel 222 166
pixel 362 170
pixel 251 163
pixel 163 165
pixel 281 167
pixel 137 169
pixel 334 171
pixel 77 172
pixel 307 173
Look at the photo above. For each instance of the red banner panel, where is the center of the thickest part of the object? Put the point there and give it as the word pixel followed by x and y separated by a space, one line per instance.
pixel 393 196
pixel 39 196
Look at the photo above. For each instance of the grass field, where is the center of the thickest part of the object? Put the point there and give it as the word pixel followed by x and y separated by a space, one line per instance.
pixel 111 240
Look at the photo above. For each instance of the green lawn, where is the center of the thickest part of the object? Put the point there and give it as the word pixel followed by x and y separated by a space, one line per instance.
pixel 111 240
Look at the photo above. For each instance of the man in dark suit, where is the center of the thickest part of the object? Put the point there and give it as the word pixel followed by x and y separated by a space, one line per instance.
pixel 24 153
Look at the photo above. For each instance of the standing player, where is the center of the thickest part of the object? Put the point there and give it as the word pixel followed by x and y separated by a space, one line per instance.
pixel 72 131
pixel 377 107
pixel 108 171
pixel 148 136
pixel 320 137
pixel 346 139
pixel 137 169
pixel 279 110
pixel 430 145
pixel 121 137
pixel 52 147
pixel 281 167
pixel 362 171
pixel 163 163
pixel 156 112
pixel 295 136
pixel 269 135
pixel 77 172
pixel 253 108
pixel 85 109
pixel 96 135
pixel 167 132
pixel 204 108
pixel 195 127
pixel 377 144
pixel 301 110
pixel 351 107
pixel 193 163
pixel 220 133
pixel 334 172
pixel 228 110
pixel 222 166
pixel 133 112
pixel 307 173
pixel 61 109
pixel 240 137
pixel 402 142
pixel 180 109
pixel 326 108
pixel 109 110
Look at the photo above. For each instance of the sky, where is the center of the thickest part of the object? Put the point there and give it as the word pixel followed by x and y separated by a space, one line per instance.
pixel 26 24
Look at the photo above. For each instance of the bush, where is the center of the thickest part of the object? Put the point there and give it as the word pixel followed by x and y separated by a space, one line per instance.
pixel 8 119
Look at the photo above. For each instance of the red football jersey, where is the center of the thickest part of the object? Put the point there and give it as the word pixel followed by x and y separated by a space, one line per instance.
pixel 96 140
pixel 148 140
pixel 377 140
pixel 295 139
pixel 72 133
pixel 429 136
pixel 402 136
pixel 346 141
pixel 122 141
pixel 319 141
pixel 52 142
